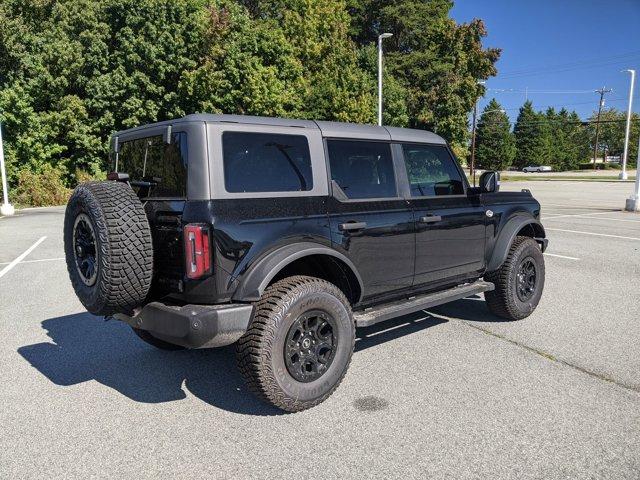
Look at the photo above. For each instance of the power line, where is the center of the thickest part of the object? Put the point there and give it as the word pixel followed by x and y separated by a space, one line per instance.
pixel 579 65
pixel 560 105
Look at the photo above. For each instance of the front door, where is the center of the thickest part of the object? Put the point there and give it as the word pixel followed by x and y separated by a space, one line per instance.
pixel 450 225
pixel 370 223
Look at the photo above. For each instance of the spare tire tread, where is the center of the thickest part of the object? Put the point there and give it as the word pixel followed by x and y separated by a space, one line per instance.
pixel 124 242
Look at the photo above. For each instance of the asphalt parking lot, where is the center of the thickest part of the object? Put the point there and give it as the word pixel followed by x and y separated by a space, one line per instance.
pixel 449 393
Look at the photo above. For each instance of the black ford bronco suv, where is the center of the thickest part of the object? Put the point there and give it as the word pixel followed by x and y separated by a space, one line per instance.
pixel 283 236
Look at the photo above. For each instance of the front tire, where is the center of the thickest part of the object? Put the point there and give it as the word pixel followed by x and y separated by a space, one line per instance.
pixel 519 282
pixel 299 345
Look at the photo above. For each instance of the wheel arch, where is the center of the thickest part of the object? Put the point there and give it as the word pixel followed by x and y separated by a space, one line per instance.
pixel 519 225
pixel 305 258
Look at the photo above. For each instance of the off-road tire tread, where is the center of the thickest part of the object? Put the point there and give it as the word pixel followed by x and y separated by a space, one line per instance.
pixel 126 249
pixel 500 300
pixel 254 349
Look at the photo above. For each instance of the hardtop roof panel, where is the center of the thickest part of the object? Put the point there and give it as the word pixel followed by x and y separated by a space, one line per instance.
pixel 328 129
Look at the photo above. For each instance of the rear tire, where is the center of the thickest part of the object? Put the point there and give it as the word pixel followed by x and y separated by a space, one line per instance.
pixel 298 347
pixel 108 248
pixel 519 282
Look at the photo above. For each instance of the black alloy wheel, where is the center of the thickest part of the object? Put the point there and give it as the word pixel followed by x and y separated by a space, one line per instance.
pixel 85 250
pixel 310 345
pixel 519 281
pixel 526 279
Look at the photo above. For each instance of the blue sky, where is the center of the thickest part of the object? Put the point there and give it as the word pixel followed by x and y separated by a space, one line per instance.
pixel 575 45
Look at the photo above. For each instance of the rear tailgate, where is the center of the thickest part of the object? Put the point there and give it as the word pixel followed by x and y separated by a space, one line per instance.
pixel 165 219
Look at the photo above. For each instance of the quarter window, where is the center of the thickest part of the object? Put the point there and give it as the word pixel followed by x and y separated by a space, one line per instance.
pixel 431 171
pixel 362 169
pixel 265 162
pixel 156 169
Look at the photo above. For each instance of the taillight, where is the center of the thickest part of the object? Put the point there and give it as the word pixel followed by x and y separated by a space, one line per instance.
pixel 196 249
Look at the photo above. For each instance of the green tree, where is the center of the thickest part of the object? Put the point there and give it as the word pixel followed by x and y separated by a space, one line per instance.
pixel 437 61
pixel 495 145
pixel 612 132
pixel 532 137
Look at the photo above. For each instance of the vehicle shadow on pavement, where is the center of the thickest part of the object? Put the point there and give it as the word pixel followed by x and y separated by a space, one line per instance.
pixel 473 309
pixel 382 332
pixel 84 347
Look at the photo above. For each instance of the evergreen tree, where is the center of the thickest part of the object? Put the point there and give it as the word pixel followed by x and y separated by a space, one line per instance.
pixel 495 145
pixel 531 136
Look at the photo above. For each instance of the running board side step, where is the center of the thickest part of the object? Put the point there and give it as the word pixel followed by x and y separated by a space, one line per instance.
pixel 384 312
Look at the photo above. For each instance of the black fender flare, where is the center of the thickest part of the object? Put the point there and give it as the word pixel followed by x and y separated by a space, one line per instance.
pixel 508 234
pixel 255 280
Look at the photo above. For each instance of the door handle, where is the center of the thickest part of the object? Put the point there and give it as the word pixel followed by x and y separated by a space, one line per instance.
pixel 430 219
pixel 352 226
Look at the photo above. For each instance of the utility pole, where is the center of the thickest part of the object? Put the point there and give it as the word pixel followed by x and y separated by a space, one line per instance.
pixel 602 92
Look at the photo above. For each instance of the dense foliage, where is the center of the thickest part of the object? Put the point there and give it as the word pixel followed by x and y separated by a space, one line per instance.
pixel 74 71
pixel 495 145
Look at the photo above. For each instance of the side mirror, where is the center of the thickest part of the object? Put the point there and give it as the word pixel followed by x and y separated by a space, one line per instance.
pixel 490 182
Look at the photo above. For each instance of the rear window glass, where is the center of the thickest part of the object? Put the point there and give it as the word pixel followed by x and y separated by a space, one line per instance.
pixel 266 162
pixel 155 168
pixel 362 169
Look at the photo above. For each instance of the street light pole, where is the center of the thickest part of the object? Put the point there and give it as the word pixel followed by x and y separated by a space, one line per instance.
pixel 380 38
pixel 472 163
pixel 472 166
pixel 6 208
pixel 633 202
pixel 623 174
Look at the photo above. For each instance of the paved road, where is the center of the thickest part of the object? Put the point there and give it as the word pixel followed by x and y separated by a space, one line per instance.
pixel 449 393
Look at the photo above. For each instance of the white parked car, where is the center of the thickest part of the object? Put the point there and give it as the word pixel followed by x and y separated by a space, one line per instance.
pixel 537 169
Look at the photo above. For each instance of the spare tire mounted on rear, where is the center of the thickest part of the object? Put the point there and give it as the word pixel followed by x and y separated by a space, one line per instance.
pixel 108 248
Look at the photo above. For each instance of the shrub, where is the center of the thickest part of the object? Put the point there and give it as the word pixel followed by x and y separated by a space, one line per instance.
pixel 82 176
pixel 600 166
pixel 43 188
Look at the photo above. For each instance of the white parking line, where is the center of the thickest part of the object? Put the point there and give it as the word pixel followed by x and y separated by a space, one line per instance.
pixel 594 218
pixel 35 261
pixel 592 233
pixel 559 215
pixel 577 207
pixel 560 256
pixel 6 269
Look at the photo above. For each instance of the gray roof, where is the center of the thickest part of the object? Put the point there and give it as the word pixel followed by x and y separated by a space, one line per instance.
pixel 328 129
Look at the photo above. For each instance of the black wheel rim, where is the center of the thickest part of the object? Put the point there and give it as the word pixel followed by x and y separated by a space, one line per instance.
pixel 310 345
pixel 526 279
pixel 84 249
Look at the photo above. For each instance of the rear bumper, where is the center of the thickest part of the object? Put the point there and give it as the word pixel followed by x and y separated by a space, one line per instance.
pixel 193 326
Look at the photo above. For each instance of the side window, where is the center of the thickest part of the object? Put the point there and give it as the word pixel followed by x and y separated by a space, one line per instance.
pixel 362 169
pixel 432 171
pixel 266 162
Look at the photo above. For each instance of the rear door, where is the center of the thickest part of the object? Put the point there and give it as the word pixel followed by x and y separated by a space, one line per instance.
pixel 370 223
pixel 157 166
pixel 450 225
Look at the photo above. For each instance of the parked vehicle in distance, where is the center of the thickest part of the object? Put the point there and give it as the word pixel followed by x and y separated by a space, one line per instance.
pixel 537 169
pixel 282 236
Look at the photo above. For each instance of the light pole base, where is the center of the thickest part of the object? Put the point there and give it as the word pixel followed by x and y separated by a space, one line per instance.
pixel 7 209
pixel 633 205
pixel 623 176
